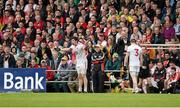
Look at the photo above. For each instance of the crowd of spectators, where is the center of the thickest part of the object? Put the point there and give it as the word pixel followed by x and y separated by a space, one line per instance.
pixel 32 33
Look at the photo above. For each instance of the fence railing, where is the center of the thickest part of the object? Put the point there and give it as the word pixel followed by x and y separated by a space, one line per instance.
pixel 106 82
pixel 161 46
pixel 106 71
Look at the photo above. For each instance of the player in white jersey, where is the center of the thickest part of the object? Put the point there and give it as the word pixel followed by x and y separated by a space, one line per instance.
pixel 81 62
pixel 134 56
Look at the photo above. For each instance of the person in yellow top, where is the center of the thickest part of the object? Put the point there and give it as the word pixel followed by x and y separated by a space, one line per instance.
pixel 110 44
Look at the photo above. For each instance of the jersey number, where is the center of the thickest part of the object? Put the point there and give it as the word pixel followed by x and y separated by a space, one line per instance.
pixel 136 52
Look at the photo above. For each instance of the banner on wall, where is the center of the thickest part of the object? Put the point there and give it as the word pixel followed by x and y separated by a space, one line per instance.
pixel 22 79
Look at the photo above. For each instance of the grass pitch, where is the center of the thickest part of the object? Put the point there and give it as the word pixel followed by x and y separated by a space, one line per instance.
pixel 88 100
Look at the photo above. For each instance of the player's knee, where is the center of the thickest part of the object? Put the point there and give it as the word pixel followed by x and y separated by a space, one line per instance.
pixel 79 75
pixel 145 82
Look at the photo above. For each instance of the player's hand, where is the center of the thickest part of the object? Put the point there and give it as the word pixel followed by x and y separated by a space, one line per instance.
pixel 60 47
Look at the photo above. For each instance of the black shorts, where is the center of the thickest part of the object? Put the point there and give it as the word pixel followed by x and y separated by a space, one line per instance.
pixel 144 73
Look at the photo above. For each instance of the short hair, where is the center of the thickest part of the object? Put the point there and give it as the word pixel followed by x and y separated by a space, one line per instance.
pixel 173 68
pixel 133 40
pixel 75 38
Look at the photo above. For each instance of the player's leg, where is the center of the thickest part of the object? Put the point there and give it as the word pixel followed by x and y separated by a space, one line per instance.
pixel 85 82
pixel 137 70
pixel 134 80
pixel 84 71
pixel 133 73
pixel 140 77
pixel 80 81
pixel 144 85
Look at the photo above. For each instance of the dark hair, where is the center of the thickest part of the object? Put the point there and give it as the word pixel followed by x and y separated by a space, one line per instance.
pixel 167 52
pixel 75 38
pixel 173 68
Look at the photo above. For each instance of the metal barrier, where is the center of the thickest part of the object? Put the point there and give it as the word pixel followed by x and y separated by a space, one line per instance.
pixel 161 46
pixel 60 71
pixel 107 83
pixel 106 71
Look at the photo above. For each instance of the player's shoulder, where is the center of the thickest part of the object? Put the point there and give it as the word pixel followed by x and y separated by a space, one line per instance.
pixel 72 47
pixel 81 44
pixel 137 46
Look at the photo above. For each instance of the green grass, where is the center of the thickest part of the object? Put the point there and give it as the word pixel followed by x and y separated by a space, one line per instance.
pixel 88 100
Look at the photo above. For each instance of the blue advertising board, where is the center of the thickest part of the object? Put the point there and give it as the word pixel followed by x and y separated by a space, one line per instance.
pixel 22 79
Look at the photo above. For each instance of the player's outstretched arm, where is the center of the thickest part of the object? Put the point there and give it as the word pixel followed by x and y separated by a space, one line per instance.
pixel 66 49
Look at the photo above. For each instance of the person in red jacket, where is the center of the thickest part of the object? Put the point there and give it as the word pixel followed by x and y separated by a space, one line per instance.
pixel 38 24
pixel 34 64
pixel 49 75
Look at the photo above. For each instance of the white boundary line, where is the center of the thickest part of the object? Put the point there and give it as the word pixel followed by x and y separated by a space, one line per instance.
pixel 89 107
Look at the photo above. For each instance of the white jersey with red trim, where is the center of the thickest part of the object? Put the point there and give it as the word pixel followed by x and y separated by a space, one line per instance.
pixel 80 53
pixel 134 51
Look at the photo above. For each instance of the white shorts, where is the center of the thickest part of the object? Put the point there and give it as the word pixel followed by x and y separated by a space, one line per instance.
pixel 81 67
pixel 134 70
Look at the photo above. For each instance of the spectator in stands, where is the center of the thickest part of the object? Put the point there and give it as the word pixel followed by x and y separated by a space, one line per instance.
pixel 34 56
pixel 172 76
pixel 14 52
pixel 136 34
pixel 166 59
pixel 159 76
pixel 1 55
pixel 73 76
pixel 44 50
pixel 33 64
pixel 120 45
pixel 56 60
pixel 157 37
pixel 110 46
pixel 168 32
pixel 114 63
pixel 19 36
pixel 148 34
pixel 175 55
pixel 177 28
pixel 39 24
pixel 24 60
pixel 170 82
pixel 19 63
pixel 63 75
pixel 49 75
pixel 25 51
pixel 172 64
pixel 8 59
pixel 6 40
